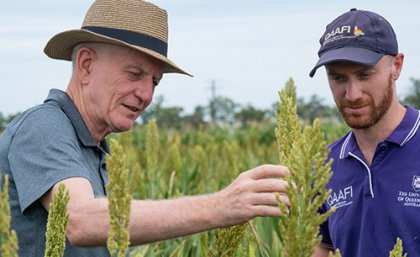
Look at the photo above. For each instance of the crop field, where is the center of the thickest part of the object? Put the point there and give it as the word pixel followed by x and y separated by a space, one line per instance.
pixel 171 163
pixel 153 163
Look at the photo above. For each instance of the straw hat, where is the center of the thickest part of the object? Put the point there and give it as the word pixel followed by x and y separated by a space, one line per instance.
pixel 133 23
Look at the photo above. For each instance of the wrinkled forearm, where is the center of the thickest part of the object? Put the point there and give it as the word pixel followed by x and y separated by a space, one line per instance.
pixel 150 221
pixel 251 194
pixel 164 219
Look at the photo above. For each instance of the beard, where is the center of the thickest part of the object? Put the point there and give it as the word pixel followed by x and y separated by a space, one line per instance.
pixel 375 111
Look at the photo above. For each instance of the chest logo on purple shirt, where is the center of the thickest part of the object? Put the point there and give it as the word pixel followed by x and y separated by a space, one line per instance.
pixel 416 183
pixel 410 198
pixel 341 197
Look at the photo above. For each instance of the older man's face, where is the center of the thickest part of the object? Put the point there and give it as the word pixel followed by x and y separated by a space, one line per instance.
pixel 122 86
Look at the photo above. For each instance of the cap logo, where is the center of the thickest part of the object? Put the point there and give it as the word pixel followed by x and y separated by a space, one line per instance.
pixel 337 32
pixel 357 36
pixel 358 31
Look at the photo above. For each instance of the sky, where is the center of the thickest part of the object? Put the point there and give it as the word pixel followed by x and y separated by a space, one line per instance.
pixel 247 49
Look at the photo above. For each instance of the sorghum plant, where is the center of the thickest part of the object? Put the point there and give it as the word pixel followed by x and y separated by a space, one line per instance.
pixel 398 250
pixel 8 238
pixel 227 241
pixel 58 218
pixel 337 253
pixel 119 201
pixel 152 146
pixel 152 156
pixel 304 151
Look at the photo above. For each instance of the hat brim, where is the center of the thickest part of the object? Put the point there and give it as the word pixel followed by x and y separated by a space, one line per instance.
pixel 348 54
pixel 61 46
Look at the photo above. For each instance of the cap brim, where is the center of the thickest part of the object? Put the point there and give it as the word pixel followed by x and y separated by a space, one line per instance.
pixel 61 46
pixel 348 54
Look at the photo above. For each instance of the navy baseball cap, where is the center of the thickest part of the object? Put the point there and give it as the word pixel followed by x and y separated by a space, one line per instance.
pixel 356 36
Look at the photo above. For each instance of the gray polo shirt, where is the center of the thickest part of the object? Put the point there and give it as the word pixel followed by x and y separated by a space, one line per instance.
pixel 42 146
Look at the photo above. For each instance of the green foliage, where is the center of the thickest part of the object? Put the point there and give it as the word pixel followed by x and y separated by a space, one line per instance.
pixel 230 151
pixel 171 166
pixel 152 145
pixel 119 201
pixel 314 108
pixel 249 114
pixel 152 153
pixel 206 158
pixel 173 161
pixel 4 120
pixel 57 224
pixel 196 119
pixel 222 110
pixel 414 97
pixel 166 117
pixel 8 238
pixel 170 163
pixel 398 250
pixel 304 152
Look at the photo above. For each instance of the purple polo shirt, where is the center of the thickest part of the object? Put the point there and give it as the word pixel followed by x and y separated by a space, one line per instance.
pixel 376 204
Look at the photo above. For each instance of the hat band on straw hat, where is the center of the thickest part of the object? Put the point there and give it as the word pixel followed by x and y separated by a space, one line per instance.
pixel 136 24
pixel 133 38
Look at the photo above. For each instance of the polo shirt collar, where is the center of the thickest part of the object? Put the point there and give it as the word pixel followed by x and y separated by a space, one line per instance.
pixel 404 132
pixel 68 107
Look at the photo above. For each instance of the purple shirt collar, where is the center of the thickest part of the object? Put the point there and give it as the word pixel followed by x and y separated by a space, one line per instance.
pixel 400 136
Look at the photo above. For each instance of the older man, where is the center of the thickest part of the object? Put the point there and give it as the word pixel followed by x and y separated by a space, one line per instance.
pixel 119 56
pixel 376 165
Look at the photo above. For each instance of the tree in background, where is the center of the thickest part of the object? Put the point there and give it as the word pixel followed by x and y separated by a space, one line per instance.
pixel 170 117
pixel 197 119
pixel 249 114
pixel 222 110
pixel 413 98
pixel 166 117
pixel 313 108
pixel 4 120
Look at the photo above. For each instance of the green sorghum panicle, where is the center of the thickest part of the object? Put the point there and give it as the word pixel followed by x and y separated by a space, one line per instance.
pixel 200 162
pixel 288 128
pixel 172 166
pixel 119 201
pixel 152 157
pixel 136 176
pixel 227 241
pixel 304 151
pixel 398 249
pixel 200 158
pixel 230 151
pixel 336 254
pixel 8 238
pixel 57 224
pixel 152 146
pixel 173 161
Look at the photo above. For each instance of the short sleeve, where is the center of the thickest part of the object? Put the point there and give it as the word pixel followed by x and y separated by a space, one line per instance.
pixel 44 151
pixel 324 231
